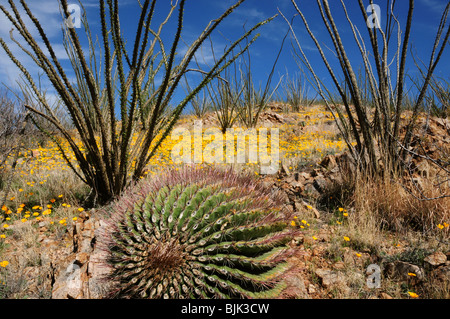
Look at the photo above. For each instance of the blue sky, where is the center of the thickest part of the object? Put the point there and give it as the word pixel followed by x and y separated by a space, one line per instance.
pixel 263 52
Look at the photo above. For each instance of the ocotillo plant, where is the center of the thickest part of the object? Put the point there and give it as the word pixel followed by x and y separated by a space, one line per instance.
pixel 378 147
pixel 119 79
pixel 197 233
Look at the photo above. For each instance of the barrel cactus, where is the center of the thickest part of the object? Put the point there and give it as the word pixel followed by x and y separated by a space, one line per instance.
pixel 198 233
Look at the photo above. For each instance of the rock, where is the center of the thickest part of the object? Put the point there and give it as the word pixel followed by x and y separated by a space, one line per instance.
pixel 319 250
pixel 82 258
pixel 295 287
pixel 329 162
pixel 339 265
pixel 69 284
pixel 296 185
pixel 442 273
pixel 302 176
pixel 436 259
pixel 272 118
pixel 399 270
pixel 84 277
pixel 320 184
pixel 330 278
pixel 43 224
pixel 311 289
pixel 98 272
pixel 311 191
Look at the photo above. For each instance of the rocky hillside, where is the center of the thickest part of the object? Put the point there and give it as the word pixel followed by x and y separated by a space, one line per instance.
pixel 345 242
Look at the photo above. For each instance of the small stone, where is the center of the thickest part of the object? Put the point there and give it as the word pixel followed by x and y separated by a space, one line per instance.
pixel 339 265
pixel 330 277
pixel 436 259
pixel 42 224
pixel 311 289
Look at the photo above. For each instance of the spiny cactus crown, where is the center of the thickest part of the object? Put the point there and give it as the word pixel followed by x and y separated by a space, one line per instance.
pixel 198 234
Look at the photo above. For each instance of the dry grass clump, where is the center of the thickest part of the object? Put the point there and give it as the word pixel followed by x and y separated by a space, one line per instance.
pixel 397 209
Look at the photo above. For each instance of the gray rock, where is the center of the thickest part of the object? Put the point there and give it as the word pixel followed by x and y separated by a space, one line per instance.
pixel 69 284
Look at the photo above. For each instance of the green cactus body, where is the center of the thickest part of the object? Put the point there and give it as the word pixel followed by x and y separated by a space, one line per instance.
pixel 198 234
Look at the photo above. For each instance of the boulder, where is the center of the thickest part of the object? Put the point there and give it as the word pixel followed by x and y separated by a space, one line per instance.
pixel 69 284
pixel 85 273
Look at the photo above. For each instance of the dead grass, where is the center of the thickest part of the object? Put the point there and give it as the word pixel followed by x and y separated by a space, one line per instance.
pixel 396 209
